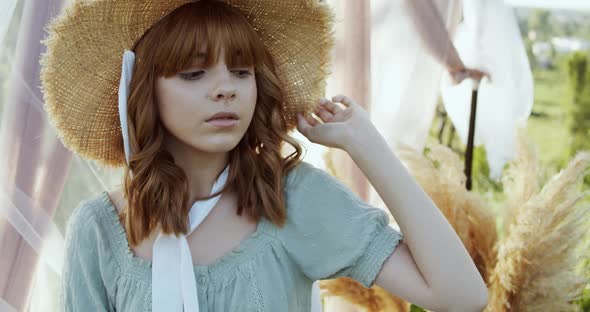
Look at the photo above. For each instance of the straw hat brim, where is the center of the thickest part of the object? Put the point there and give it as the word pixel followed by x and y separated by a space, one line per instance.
pixel 81 68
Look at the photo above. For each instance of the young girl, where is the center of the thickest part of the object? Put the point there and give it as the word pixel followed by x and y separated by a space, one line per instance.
pixel 211 215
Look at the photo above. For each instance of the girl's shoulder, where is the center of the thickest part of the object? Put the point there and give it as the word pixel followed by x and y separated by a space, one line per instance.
pixel 306 180
pixel 304 173
pixel 88 211
pixel 90 223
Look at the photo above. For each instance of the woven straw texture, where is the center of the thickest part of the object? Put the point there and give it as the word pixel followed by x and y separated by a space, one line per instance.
pixel 81 68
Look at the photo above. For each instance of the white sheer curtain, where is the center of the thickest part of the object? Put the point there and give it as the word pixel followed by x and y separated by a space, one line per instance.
pixel 40 182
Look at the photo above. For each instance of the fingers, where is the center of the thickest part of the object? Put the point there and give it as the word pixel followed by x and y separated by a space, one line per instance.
pixel 305 122
pixel 478 74
pixel 348 102
pixel 311 121
pixel 458 77
pixel 324 114
pixel 302 124
pixel 330 106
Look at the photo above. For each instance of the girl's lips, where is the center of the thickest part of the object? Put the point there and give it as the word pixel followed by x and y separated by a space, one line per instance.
pixel 223 123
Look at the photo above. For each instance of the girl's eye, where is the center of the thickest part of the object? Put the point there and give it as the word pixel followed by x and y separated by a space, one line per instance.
pixel 243 73
pixel 196 75
pixel 192 75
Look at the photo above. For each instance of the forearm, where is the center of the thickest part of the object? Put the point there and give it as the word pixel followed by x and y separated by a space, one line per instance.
pixel 433 32
pixel 437 250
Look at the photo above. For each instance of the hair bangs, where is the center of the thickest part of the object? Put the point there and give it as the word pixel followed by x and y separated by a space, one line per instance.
pixel 196 34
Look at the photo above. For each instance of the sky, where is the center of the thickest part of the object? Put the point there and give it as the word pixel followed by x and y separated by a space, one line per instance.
pixel 578 5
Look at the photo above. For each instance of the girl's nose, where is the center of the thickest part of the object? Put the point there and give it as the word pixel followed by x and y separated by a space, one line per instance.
pixel 223 94
pixel 224 89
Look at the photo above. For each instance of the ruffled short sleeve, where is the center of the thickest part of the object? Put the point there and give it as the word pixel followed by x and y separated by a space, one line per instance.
pixel 330 232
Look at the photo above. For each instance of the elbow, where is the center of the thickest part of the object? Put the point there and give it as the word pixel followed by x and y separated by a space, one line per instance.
pixel 479 300
pixel 478 306
pixel 477 295
pixel 481 297
pixel 463 307
pixel 472 303
pixel 482 303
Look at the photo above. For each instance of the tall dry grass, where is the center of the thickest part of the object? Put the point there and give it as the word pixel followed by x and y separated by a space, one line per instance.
pixel 545 240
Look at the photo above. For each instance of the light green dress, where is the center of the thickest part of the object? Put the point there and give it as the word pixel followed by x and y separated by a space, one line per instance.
pixel 330 232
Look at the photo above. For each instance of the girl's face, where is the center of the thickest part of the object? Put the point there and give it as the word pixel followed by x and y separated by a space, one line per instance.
pixel 188 99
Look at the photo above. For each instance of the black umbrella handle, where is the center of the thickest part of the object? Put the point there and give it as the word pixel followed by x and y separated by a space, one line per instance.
pixel 471 136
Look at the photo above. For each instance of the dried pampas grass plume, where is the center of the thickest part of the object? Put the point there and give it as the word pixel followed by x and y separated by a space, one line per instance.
pixel 522 180
pixel 374 299
pixel 544 241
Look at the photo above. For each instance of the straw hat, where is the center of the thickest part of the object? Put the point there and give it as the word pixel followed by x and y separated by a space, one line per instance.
pixel 81 69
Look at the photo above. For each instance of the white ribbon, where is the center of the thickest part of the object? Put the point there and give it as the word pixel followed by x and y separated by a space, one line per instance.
pixel 126 74
pixel 173 278
pixel 174 287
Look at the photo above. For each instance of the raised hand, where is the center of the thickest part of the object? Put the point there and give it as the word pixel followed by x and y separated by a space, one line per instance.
pixel 337 126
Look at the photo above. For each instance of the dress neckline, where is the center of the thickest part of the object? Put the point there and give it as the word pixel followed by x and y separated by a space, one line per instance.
pixel 248 248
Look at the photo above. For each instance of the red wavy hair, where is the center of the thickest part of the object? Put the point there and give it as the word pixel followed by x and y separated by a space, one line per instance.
pixel 157 192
